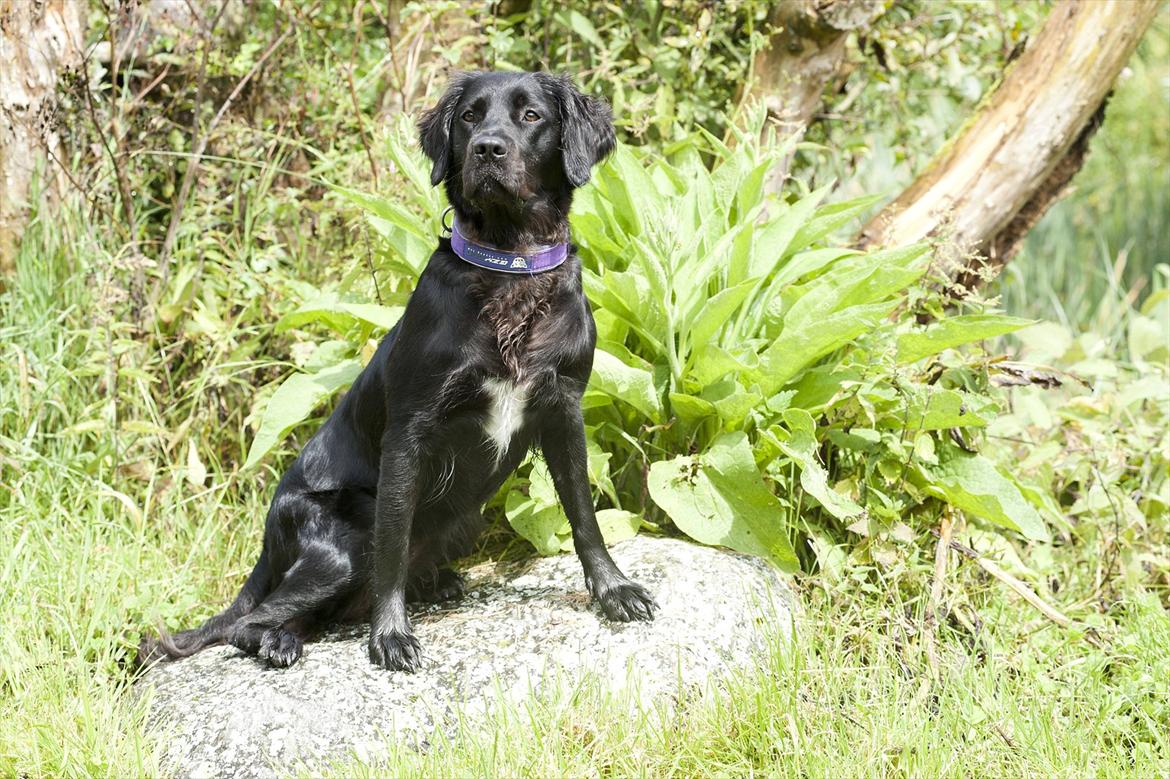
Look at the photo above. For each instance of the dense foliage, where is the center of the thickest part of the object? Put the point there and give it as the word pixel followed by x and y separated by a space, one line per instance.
pixel 753 386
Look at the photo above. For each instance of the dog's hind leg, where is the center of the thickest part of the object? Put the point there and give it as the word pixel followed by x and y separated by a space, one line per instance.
pixel 444 584
pixel 318 579
pixel 214 630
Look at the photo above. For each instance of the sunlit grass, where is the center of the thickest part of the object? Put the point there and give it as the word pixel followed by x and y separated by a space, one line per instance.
pixel 851 698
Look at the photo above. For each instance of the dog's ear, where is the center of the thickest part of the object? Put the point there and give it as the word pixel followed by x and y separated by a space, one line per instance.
pixel 587 135
pixel 434 128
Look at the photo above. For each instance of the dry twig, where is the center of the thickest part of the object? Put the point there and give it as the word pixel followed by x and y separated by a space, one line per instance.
pixel 197 155
pixel 941 551
pixel 1022 589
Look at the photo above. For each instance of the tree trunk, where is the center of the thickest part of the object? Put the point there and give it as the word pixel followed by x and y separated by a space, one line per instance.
pixel 804 52
pixel 991 183
pixel 38 41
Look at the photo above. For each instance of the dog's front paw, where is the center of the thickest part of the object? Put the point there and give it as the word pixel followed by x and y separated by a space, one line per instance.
pixel 627 601
pixel 395 651
pixel 280 648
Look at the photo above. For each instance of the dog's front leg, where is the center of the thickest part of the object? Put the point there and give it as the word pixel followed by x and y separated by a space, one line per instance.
pixel 392 643
pixel 563 444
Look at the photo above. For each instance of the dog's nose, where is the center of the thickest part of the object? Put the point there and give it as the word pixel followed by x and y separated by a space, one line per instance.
pixel 489 146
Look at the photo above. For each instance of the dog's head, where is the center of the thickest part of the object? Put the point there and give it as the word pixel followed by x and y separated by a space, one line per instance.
pixel 513 146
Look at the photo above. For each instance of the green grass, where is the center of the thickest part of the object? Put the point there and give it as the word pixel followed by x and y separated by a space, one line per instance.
pixel 851 699
pixel 91 552
pixel 97 548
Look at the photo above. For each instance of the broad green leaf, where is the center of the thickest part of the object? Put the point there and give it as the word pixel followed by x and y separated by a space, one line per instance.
pixel 339 314
pixel 719 497
pixel 628 294
pixel 810 302
pixel 537 524
pixel 830 218
pixel 710 364
pixel 718 146
pixel 971 483
pixel 797 347
pixel 583 27
pixel 893 270
pixel 618 525
pixel 294 401
pixel 633 385
pixel 410 160
pixel 751 188
pixel 691 409
pixel 538 516
pixel 697 275
pixel 1148 341
pixel 854 281
pixel 774 238
pixel 630 188
pixel 589 229
pixel 413 251
pixel 930 408
pixel 648 265
pixel 715 312
pixel 955 331
pixel 388 210
pixel 598 463
pixel 726 177
pixel 327 353
pixel 801 447
pixel 819 387
pixel 732 402
pixel 808 262
pixel 739 262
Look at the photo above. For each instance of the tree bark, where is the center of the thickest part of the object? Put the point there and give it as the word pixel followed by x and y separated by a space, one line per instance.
pixel 992 182
pixel 805 51
pixel 38 41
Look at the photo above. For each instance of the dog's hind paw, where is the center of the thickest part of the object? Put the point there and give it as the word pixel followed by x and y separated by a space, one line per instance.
pixel 444 585
pixel 280 648
pixel 627 602
pixel 395 651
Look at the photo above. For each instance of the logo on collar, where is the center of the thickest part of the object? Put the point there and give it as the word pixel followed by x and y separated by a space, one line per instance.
pixel 540 259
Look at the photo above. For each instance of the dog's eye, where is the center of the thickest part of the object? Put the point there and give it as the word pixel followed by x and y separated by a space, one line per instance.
pixel 531 116
pixel 469 115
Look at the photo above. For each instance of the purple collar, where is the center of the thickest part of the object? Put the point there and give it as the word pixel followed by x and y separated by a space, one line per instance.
pixel 536 261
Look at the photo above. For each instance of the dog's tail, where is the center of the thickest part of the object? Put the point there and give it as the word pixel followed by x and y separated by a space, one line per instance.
pixel 213 631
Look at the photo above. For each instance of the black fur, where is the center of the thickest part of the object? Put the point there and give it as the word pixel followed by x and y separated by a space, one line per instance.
pixel 392 486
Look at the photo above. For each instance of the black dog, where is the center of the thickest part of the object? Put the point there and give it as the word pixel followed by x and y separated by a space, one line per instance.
pixel 485 363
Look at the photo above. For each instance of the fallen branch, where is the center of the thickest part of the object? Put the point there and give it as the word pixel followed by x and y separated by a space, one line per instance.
pixel 1015 156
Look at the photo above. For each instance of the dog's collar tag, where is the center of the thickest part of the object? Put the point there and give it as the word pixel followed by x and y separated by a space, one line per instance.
pixel 536 261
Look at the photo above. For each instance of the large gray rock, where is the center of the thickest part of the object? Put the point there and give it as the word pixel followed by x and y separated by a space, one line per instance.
pixel 221 713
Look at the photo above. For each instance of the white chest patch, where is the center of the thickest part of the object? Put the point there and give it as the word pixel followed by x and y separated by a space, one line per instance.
pixel 505 414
